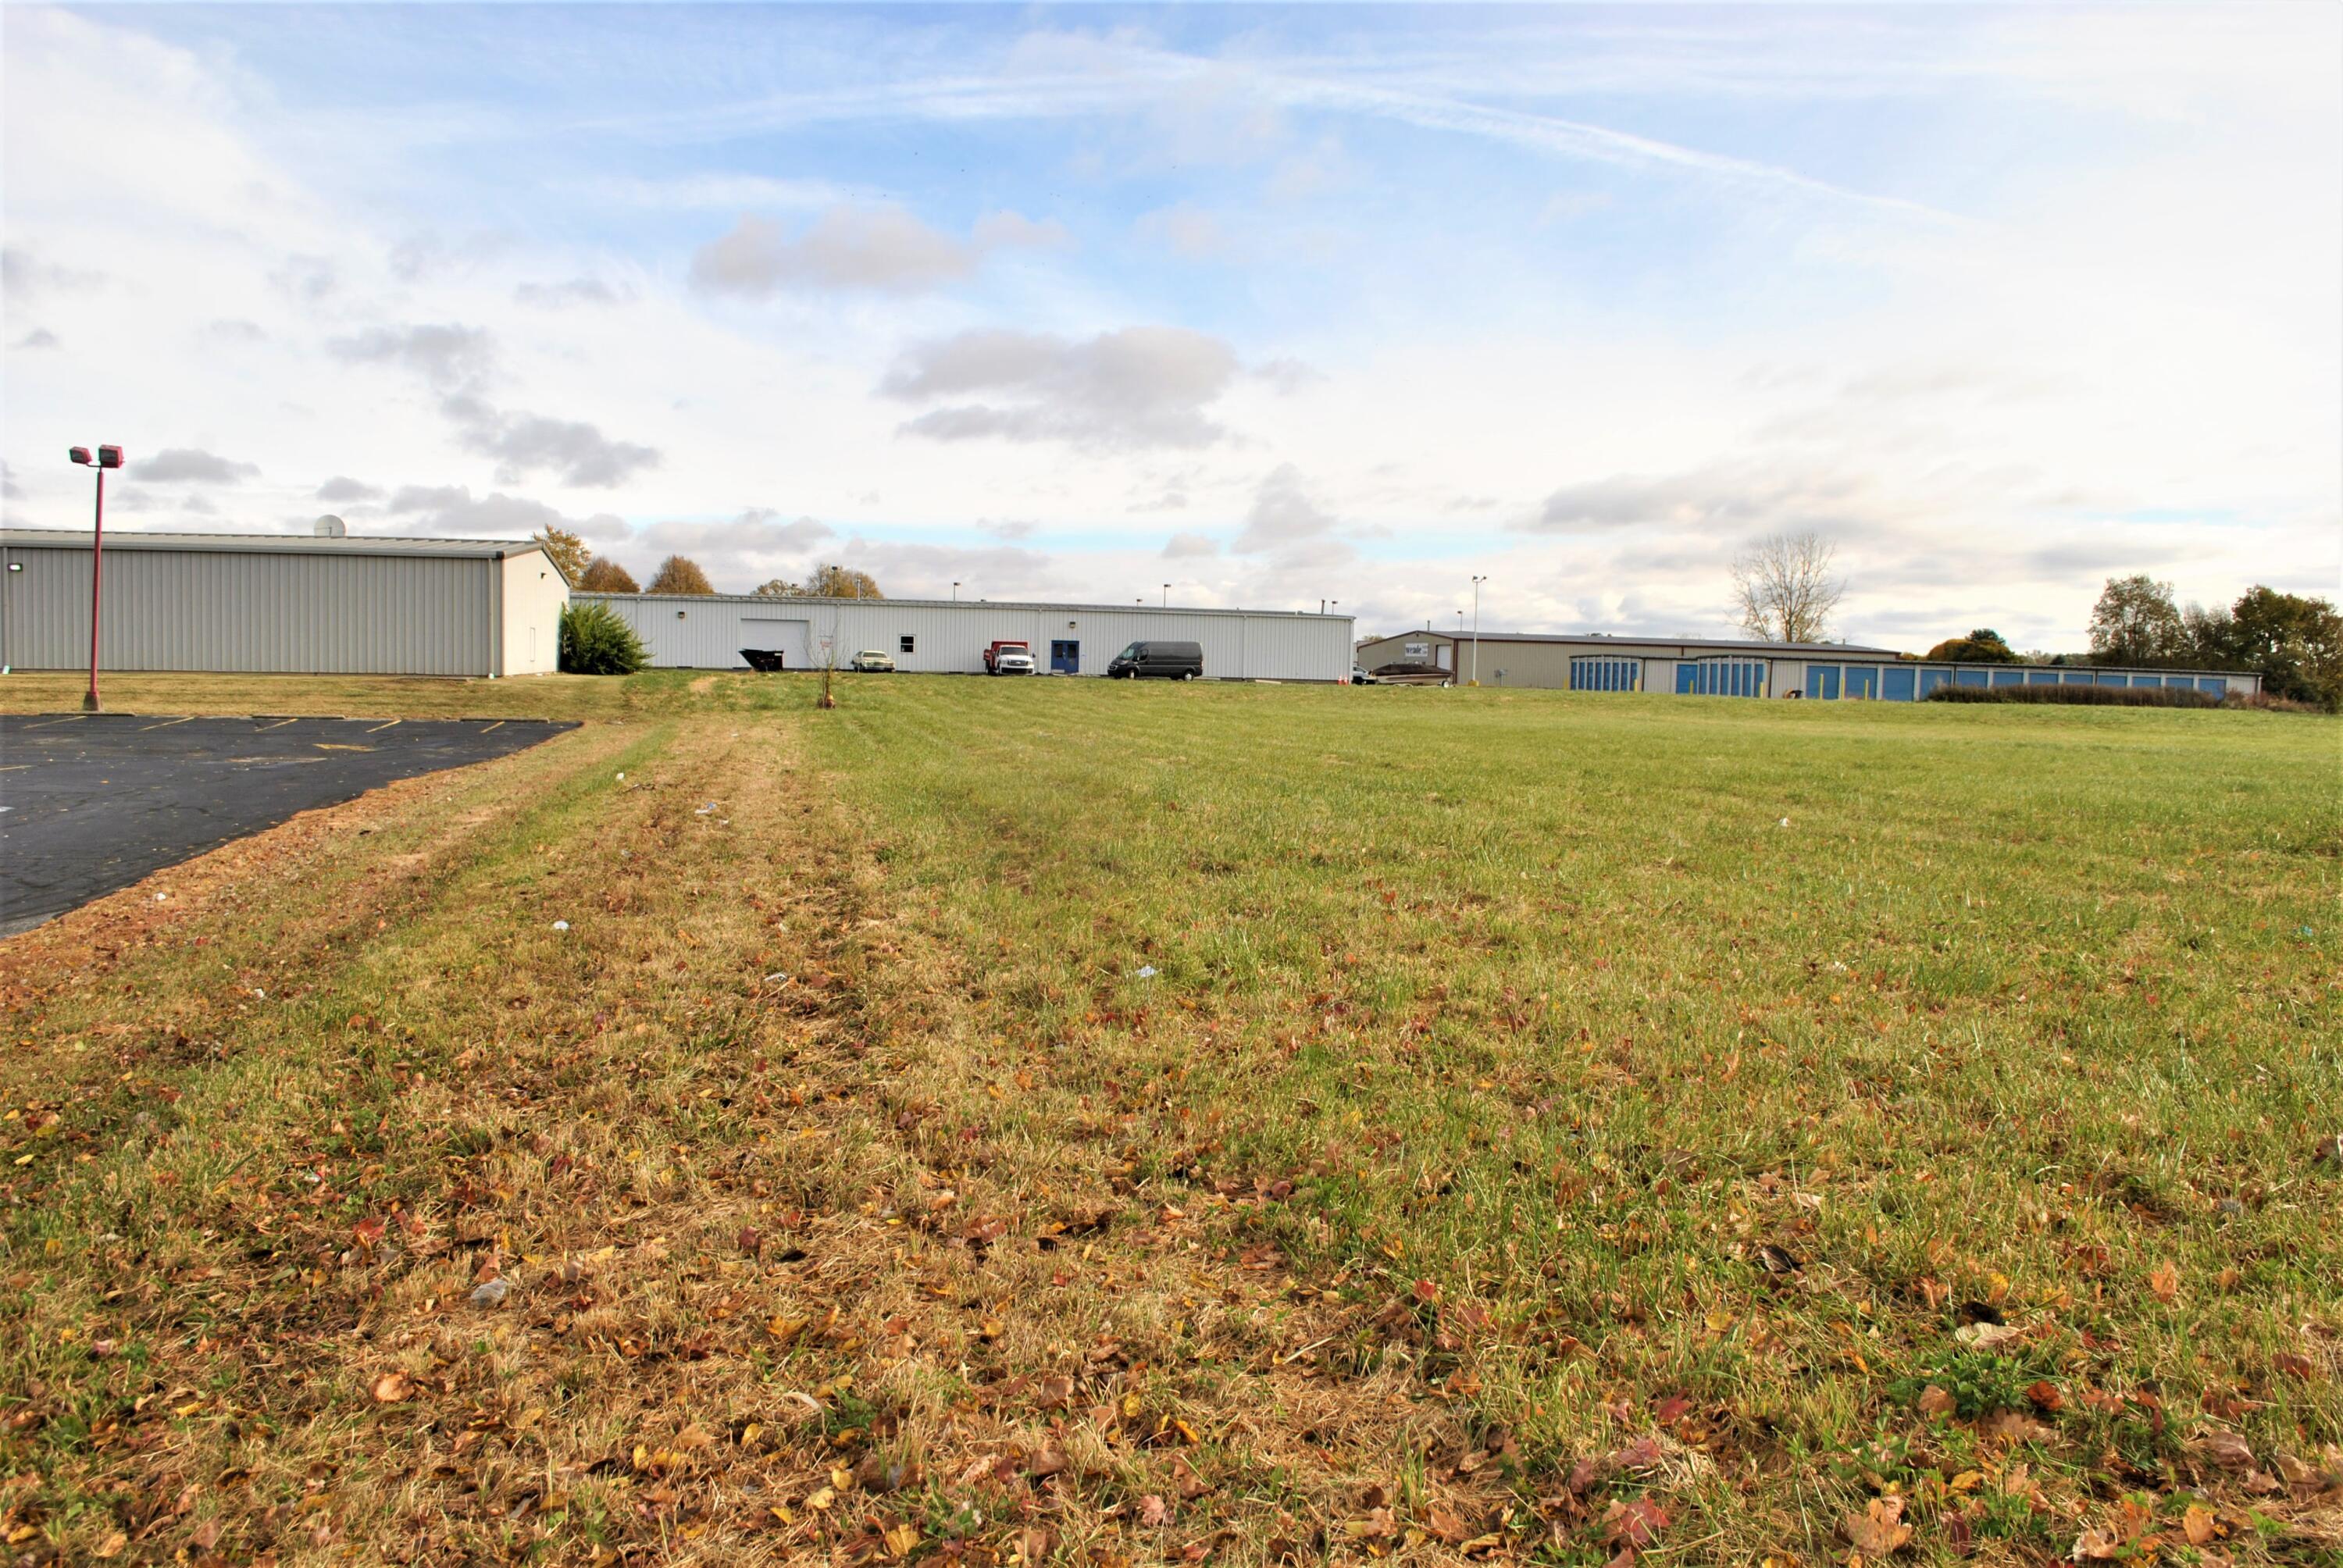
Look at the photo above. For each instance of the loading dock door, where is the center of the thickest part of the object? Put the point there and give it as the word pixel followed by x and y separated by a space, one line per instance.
pixel 1065 657
pixel 787 638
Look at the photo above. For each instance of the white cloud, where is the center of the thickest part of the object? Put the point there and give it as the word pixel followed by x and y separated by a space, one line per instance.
pixel 190 465
pixel 1190 546
pixel 1282 514
pixel 445 355
pixel 574 291
pixel 571 451
pixel 451 511
pixel 1137 388
pixel 857 245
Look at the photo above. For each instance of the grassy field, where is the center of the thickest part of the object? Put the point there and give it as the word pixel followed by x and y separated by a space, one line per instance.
pixel 1068 1121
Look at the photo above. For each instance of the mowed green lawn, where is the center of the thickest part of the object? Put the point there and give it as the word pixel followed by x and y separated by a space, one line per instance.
pixel 1741 1129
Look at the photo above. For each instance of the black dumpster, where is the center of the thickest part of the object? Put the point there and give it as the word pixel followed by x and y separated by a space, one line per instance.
pixel 763 660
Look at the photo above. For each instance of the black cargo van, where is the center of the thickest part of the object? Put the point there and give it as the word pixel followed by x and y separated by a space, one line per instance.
pixel 1171 660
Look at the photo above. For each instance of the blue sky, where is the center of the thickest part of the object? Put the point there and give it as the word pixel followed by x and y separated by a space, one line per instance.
pixel 1276 303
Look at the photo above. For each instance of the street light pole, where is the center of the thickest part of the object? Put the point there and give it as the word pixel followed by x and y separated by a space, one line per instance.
pixel 1167 596
pixel 107 458
pixel 955 593
pixel 1477 628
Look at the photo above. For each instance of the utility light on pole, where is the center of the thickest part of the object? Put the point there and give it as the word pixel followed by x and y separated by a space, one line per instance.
pixel 107 458
pixel 955 592
pixel 1167 596
pixel 1477 628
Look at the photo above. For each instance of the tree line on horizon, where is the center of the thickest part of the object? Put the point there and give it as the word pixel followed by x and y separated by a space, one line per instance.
pixel 1785 590
pixel 2293 642
pixel 680 574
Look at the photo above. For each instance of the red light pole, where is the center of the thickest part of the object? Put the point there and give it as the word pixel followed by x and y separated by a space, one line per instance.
pixel 107 458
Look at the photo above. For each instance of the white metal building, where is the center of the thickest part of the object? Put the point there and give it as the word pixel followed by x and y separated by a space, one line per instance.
pixel 1724 667
pixel 708 631
pixel 293 604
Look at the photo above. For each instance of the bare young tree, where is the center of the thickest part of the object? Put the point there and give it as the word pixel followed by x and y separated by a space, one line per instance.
pixel 1783 589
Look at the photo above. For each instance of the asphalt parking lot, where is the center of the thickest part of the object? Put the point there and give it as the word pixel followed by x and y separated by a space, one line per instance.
pixel 92 802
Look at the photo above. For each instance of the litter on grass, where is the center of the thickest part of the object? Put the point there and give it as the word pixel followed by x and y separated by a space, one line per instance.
pixel 561 925
pixel 1146 971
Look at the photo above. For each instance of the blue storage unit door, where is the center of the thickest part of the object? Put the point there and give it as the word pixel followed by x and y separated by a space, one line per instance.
pixel 2213 684
pixel 1065 657
pixel 1822 682
pixel 1605 673
pixel 2078 677
pixel 2009 677
pixel 1969 676
pixel 1896 684
pixel 1722 678
pixel 2110 680
pixel 1862 682
pixel 1932 678
pixel 2041 677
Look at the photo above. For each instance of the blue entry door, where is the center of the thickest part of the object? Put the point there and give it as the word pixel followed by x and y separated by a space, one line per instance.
pixel 1065 657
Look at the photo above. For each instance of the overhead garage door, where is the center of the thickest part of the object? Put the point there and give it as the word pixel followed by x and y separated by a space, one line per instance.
pixel 786 638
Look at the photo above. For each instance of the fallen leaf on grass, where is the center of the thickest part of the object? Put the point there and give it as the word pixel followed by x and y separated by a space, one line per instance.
pixel 2224 1449
pixel 1988 1336
pixel 1934 1402
pixel 2015 1426
pixel 392 1387
pixel 2199 1525
pixel 1636 1523
pixel 1878 1531
pixel 1152 1512
pixel 2165 1281
pixel 112 1545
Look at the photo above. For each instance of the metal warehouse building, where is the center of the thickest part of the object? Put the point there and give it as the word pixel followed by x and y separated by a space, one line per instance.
pixel 708 631
pixel 282 604
pixel 1699 667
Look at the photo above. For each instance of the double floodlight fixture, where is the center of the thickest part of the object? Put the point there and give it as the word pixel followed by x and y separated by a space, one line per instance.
pixel 107 458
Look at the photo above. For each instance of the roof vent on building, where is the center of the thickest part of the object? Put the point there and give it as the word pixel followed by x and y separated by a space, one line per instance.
pixel 329 527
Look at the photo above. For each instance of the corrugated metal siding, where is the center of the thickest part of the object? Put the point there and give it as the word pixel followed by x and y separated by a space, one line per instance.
pixel 318 614
pixel 946 637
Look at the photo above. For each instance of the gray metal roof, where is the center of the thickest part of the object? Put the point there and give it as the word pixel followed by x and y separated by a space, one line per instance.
pixel 968 604
pixel 1624 640
pixel 272 544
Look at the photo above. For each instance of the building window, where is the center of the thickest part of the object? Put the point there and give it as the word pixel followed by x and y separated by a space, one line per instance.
pixel 905 640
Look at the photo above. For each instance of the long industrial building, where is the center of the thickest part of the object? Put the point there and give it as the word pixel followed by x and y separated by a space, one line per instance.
pixel 944 636
pixel 291 604
pixel 1702 666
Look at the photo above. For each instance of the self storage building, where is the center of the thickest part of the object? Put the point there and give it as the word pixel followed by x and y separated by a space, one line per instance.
pixel 292 604
pixel 711 632
pixel 1723 668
